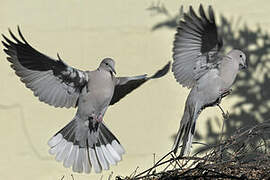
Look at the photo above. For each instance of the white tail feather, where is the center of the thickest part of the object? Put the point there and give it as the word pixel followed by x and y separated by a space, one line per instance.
pixel 94 160
pixel 86 161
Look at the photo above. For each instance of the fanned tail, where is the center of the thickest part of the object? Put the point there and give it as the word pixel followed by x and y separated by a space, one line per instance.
pixel 84 145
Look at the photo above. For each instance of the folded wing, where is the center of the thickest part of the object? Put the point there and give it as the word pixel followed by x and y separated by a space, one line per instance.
pixel 53 81
pixel 196 46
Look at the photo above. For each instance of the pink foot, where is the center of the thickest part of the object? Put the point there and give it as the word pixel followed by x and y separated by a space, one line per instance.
pixel 99 118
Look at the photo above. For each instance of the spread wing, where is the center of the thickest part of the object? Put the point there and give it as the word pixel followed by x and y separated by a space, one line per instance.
pixel 196 47
pixel 125 85
pixel 53 81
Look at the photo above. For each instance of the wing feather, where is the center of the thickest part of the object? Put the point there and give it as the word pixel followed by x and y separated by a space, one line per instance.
pixel 53 81
pixel 125 85
pixel 196 37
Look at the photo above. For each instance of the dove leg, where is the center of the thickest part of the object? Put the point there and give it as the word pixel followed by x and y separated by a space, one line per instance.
pixel 223 113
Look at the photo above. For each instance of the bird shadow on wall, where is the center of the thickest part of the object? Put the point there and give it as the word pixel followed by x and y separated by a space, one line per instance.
pixel 251 88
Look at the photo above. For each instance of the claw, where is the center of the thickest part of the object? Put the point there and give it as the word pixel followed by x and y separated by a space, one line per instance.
pixel 226 93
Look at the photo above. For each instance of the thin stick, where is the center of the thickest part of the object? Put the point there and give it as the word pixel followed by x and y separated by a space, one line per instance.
pixel 157 164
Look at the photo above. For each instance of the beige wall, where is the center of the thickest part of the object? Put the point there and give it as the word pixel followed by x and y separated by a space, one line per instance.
pixel 84 32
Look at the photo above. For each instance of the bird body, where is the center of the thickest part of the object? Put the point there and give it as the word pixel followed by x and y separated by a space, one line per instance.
pixel 85 142
pixel 207 90
pixel 98 94
pixel 199 65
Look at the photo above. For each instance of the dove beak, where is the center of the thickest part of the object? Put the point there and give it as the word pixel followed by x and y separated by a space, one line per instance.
pixel 243 66
pixel 113 70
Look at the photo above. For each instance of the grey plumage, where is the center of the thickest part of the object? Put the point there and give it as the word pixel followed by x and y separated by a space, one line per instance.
pixel 199 65
pixel 85 143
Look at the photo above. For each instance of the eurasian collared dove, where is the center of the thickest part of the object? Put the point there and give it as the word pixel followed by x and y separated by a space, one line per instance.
pixel 199 64
pixel 86 141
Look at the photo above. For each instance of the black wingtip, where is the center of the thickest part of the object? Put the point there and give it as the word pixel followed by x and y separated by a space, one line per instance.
pixel 162 71
pixel 13 36
pixel 7 40
pixel 20 34
pixel 201 8
pixel 3 36
pixel 5 44
pixel 202 13
pixel 191 10
pixel 211 14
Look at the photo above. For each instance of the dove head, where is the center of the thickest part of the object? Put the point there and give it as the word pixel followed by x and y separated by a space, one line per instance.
pixel 240 57
pixel 108 65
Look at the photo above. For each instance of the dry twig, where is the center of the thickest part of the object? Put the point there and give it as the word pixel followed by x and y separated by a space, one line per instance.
pixel 242 156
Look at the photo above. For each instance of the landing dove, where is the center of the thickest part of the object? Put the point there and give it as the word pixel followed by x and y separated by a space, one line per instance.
pixel 198 64
pixel 85 143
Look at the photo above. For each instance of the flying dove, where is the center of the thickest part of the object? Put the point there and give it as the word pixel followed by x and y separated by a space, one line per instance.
pixel 85 142
pixel 198 64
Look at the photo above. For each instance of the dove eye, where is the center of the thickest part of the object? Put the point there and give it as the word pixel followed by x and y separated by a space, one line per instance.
pixel 107 64
pixel 240 55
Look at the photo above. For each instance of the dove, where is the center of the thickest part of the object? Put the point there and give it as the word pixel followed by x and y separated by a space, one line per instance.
pixel 199 65
pixel 85 143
